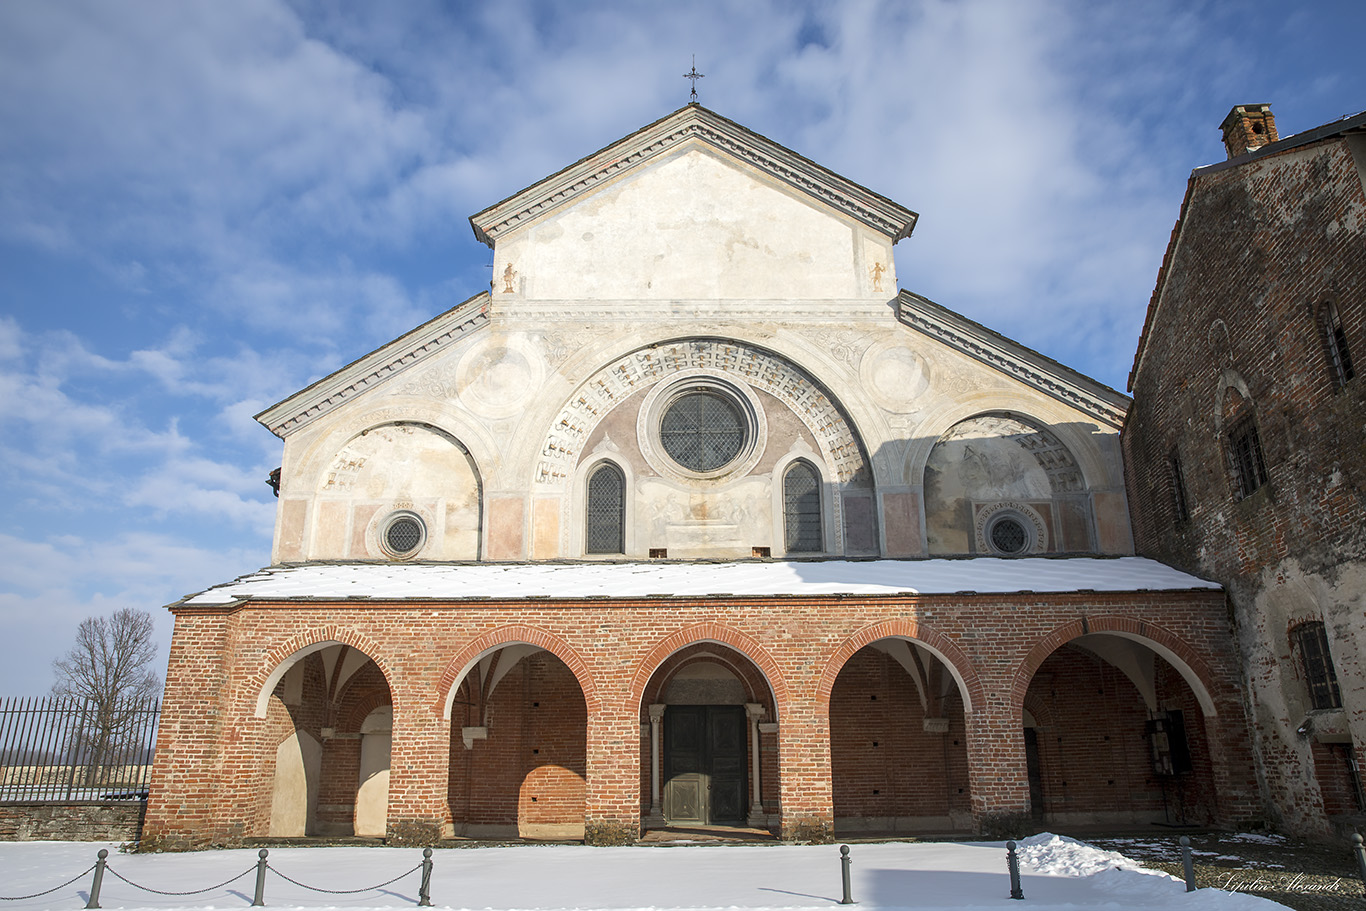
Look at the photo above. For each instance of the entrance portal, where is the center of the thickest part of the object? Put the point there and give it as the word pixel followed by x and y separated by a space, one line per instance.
pixel 704 765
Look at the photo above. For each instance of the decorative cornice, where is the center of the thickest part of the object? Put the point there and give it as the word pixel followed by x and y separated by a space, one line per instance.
pixel 695 123
pixel 1013 359
pixel 407 350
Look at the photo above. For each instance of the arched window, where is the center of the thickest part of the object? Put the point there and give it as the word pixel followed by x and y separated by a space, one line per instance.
pixel 605 512
pixel 1335 340
pixel 1245 452
pixel 802 508
pixel 1183 512
pixel 1312 642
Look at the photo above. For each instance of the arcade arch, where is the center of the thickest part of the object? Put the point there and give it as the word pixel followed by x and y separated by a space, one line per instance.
pixel 518 750
pixel 328 713
pixel 1117 731
pixel 712 754
pixel 898 740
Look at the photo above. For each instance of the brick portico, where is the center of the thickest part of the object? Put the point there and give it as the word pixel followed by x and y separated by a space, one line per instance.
pixel 227 702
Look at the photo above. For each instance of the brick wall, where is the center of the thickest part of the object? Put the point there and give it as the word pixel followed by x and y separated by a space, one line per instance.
pixel 527 777
pixel 1235 330
pixel 889 773
pixel 613 649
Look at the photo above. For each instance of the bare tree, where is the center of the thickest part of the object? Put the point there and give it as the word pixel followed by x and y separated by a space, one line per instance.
pixel 106 672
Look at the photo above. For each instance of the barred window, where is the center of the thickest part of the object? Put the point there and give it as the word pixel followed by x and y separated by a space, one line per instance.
pixel 1179 488
pixel 1007 535
pixel 605 512
pixel 403 535
pixel 802 508
pixel 1312 641
pixel 1245 454
pixel 1335 340
pixel 702 431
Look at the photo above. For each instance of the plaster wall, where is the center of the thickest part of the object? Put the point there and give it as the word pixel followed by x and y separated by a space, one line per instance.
pixel 693 225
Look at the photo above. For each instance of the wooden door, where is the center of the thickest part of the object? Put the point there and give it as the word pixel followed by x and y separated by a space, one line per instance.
pixel 704 765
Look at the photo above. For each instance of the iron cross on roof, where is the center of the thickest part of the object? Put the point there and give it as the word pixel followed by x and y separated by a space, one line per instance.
pixel 694 75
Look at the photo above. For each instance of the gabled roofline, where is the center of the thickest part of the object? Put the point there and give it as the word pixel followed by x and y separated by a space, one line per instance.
pixel 1350 123
pixel 694 122
pixel 1013 359
pixel 413 347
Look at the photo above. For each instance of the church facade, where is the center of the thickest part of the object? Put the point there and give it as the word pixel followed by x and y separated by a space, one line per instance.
pixel 693 519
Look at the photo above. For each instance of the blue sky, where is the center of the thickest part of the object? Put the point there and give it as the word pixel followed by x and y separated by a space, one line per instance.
pixel 205 206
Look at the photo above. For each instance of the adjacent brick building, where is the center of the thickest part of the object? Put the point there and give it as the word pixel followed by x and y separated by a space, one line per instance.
pixel 693 519
pixel 1245 449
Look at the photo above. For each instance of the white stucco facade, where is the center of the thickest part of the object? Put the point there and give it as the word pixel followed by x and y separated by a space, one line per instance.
pixel 698 260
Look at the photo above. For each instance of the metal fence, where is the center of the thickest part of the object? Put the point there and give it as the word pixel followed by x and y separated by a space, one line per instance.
pixel 67 750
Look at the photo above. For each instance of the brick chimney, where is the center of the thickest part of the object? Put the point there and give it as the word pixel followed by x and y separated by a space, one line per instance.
pixel 1248 127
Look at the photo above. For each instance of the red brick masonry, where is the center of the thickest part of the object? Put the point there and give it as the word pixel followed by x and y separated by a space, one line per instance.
pixel 214 763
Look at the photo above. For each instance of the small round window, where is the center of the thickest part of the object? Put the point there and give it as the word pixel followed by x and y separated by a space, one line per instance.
pixel 1008 535
pixel 404 534
pixel 702 431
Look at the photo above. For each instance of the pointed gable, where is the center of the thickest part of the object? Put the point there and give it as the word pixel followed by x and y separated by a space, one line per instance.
pixel 693 207
pixel 694 123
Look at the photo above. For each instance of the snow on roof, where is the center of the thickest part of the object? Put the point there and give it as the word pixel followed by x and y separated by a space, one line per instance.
pixel 468 581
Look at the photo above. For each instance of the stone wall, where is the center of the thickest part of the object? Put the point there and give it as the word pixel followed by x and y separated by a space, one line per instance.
pixel 120 822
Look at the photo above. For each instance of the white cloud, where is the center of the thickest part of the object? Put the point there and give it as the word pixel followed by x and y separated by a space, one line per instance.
pixel 205 206
pixel 47 587
pixel 67 448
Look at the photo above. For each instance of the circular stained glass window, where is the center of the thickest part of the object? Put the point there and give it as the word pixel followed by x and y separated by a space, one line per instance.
pixel 404 535
pixel 1008 536
pixel 702 431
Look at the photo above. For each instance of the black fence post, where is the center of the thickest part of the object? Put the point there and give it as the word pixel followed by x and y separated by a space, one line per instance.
pixel 1360 852
pixel 99 879
pixel 424 892
pixel 1013 865
pixel 844 874
pixel 260 900
pixel 1187 863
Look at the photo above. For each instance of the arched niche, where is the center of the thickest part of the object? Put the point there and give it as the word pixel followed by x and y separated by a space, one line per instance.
pixel 408 472
pixel 1005 485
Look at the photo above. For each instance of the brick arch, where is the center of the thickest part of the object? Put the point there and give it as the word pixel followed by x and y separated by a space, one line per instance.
pixel 303 644
pixel 711 632
pixel 752 679
pixel 1168 646
pixel 362 709
pixel 969 685
pixel 460 665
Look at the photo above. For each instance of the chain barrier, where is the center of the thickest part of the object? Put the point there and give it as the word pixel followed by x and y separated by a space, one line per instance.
pixel 19 898
pixel 101 867
pixel 191 892
pixel 343 891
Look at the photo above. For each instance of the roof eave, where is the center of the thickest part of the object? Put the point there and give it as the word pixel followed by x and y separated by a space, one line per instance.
pixel 409 349
pixel 1071 387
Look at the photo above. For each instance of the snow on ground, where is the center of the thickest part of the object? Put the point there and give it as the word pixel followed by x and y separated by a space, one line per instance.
pixel 1057 872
